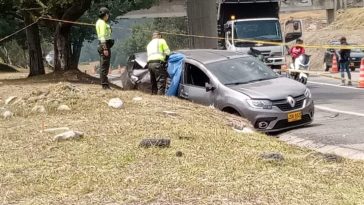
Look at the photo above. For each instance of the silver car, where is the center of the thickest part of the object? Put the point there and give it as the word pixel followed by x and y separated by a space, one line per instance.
pixel 237 84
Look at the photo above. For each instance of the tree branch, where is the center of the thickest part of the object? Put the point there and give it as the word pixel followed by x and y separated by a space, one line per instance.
pixel 41 4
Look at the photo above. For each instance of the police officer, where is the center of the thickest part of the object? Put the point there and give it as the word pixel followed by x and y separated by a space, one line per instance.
pixel 158 52
pixel 104 31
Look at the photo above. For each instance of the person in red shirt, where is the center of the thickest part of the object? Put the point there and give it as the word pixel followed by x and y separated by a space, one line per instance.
pixel 297 50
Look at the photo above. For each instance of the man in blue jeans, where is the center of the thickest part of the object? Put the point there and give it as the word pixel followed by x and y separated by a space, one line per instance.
pixel 344 56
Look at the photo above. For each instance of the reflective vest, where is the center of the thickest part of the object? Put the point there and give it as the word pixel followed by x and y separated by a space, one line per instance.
pixel 103 31
pixel 157 50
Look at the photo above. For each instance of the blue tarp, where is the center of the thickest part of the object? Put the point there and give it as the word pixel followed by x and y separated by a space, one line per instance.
pixel 175 64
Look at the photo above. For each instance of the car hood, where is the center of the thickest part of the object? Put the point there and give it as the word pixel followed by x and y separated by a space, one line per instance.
pixel 275 89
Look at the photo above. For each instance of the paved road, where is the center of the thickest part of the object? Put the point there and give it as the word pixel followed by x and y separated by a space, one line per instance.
pixel 339 122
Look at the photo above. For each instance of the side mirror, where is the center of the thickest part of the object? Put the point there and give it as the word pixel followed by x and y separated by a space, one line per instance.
pixel 209 87
pixel 227 27
pixel 293 36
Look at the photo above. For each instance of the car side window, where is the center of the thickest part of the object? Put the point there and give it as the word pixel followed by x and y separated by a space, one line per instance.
pixel 195 76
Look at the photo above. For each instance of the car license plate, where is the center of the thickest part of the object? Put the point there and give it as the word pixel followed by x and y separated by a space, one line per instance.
pixel 294 116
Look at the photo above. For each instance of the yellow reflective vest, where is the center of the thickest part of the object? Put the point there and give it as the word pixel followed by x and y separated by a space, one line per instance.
pixel 157 49
pixel 103 31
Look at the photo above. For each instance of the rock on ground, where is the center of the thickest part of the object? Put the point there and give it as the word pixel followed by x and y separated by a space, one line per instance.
pixel 272 156
pixel 63 108
pixel 7 115
pixel 161 143
pixel 9 100
pixel 39 109
pixel 116 103
pixel 69 135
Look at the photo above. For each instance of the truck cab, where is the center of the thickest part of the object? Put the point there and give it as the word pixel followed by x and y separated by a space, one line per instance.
pixel 239 32
pixel 245 24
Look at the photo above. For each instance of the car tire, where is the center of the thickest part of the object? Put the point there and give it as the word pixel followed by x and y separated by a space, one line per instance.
pixel 352 69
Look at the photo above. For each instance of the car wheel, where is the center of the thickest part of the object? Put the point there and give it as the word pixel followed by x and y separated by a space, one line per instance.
pixel 352 69
pixel 231 111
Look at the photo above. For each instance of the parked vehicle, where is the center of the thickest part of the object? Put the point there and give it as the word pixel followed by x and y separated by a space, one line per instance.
pixel 238 84
pixel 249 20
pixel 299 68
pixel 355 56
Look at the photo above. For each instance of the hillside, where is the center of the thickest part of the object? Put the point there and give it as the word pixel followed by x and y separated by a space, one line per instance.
pixel 208 162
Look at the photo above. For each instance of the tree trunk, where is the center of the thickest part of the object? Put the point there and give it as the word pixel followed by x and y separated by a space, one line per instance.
pixel 62 49
pixel 76 52
pixel 62 43
pixel 36 66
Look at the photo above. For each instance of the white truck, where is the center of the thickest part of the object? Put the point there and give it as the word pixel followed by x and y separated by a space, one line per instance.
pixel 246 24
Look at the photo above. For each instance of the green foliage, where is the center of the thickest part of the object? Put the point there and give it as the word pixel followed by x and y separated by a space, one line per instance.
pixel 141 36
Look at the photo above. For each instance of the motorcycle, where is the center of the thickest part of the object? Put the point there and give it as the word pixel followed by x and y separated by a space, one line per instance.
pixel 299 68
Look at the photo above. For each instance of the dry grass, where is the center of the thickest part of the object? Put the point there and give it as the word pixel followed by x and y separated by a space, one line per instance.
pixel 218 166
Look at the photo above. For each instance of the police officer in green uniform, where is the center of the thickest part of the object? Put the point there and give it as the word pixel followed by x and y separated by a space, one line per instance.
pixel 104 31
pixel 158 52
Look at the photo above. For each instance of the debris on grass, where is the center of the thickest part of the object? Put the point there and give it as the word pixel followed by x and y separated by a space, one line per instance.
pixel 69 135
pixel 161 143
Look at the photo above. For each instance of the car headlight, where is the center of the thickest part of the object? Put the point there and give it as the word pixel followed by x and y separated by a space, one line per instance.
pixel 308 93
pixel 260 104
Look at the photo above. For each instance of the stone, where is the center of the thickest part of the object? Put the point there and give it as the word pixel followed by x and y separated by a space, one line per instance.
pixel 161 143
pixel 245 130
pixel 9 100
pixel 39 109
pixel 59 129
pixel 170 113
pixel 272 156
pixel 116 103
pixel 63 108
pixel 7 115
pixel 137 99
pixel 69 135
pixel 179 154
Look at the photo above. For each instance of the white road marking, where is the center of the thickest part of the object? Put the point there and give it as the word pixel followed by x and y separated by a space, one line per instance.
pixel 333 85
pixel 338 111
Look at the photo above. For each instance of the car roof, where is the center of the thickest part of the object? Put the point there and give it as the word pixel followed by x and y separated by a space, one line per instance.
pixel 207 56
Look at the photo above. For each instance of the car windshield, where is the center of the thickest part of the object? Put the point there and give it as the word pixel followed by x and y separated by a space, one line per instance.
pixel 258 30
pixel 240 71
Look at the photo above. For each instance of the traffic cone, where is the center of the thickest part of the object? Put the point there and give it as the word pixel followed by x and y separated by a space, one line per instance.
pixel 334 67
pixel 361 74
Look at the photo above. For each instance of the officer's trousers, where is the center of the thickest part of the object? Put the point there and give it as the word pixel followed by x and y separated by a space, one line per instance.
pixel 158 77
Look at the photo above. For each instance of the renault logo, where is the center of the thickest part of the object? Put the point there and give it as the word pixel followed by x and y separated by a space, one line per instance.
pixel 291 101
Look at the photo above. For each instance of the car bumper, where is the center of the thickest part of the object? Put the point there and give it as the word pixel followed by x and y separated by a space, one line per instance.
pixel 276 120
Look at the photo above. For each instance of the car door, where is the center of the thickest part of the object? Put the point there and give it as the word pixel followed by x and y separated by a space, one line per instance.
pixel 193 85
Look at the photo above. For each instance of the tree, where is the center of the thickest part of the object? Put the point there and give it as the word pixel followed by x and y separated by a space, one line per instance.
pixel 141 36
pixel 15 13
pixel 72 10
